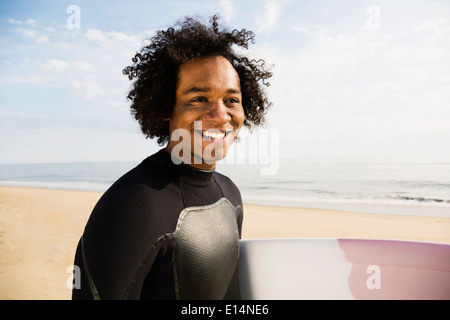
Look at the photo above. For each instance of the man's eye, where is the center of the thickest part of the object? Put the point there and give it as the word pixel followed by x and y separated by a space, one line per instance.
pixel 199 99
pixel 233 100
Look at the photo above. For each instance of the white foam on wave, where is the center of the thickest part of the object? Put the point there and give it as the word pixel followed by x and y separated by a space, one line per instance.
pixel 79 185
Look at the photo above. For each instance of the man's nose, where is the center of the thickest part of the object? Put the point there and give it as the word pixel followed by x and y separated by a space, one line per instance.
pixel 218 113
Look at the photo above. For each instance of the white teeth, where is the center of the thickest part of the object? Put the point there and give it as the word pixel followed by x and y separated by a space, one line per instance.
pixel 214 135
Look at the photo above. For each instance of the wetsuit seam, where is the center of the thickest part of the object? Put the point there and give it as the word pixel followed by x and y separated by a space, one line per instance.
pixel 142 264
pixel 92 286
pixel 182 192
pixel 221 191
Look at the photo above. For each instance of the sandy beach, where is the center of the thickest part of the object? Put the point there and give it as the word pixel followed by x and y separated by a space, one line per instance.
pixel 40 228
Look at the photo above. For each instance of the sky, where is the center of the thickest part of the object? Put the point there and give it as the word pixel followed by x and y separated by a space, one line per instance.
pixel 351 78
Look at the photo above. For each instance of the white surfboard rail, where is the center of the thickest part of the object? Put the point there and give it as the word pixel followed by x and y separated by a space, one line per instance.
pixel 297 268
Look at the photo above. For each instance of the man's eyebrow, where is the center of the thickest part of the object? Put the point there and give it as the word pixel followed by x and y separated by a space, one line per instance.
pixel 207 89
pixel 197 89
pixel 233 91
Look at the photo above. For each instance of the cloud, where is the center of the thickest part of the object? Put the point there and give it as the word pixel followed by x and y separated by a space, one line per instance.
pixel 436 28
pixel 34 35
pixel 300 29
pixel 228 10
pixel 20 114
pixel 9 113
pixel 306 32
pixel 83 65
pixel 14 21
pixel 97 36
pixel 272 12
pixel 364 86
pixel 29 33
pixel 56 64
pixel 28 22
pixel 89 62
pixel 88 87
pixel 113 39
pixel 31 23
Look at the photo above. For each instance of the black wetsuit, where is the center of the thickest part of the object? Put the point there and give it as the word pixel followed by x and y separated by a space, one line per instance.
pixel 162 231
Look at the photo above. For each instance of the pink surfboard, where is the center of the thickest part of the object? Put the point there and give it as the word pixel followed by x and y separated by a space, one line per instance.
pixel 343 269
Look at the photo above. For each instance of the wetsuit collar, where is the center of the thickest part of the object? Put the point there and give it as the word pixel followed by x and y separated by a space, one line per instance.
pixel 191 175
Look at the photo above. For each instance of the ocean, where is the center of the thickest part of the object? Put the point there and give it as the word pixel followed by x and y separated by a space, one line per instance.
pixel 368 185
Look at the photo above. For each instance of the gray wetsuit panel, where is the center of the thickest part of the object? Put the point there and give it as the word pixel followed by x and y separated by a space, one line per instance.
pixel 206 250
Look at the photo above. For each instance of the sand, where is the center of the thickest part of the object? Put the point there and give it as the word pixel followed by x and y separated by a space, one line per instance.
pixel 40 228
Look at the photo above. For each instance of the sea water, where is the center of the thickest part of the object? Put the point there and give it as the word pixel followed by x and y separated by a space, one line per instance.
pixel 359 184
pixel 352 184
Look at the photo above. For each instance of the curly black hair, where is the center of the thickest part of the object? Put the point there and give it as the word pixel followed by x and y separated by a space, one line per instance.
pixel 156 71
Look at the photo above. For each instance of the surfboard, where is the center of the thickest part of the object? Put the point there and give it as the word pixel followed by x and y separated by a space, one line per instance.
pixel 343 269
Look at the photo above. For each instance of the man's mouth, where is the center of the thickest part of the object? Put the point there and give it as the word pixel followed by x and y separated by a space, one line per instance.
pixel 215 135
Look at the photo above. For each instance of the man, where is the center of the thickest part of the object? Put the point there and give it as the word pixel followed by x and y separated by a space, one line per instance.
pixel 169 228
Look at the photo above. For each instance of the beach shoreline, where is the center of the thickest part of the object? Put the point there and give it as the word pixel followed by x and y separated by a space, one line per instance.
pixel 363 207
pixel 40 228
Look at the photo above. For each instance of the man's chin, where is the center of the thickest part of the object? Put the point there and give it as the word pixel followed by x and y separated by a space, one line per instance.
pixel 213 153
pixel 209 158
pixel 212 160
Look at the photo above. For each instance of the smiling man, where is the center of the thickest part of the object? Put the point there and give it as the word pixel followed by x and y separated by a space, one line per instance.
pixel 169 228
pixel 208 108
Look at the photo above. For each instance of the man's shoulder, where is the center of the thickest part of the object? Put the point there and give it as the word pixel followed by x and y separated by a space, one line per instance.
pixel 152 173
pixel 229 188
pixel 223 179
pixel 141 182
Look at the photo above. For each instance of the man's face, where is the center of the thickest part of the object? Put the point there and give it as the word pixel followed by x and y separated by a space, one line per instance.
pixel 208 110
